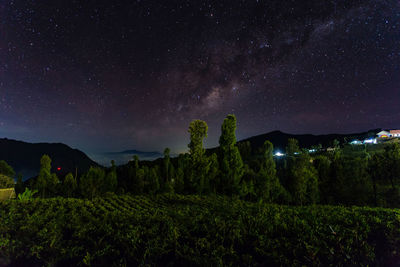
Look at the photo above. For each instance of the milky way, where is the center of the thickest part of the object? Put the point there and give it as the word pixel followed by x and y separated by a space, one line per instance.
pixel 102 76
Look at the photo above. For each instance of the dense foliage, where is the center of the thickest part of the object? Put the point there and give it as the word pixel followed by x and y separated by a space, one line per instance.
pixel 168 230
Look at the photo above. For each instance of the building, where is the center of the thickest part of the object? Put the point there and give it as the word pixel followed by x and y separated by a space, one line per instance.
pixel 356 142
pixel 383 134
pixel 394 133
pixel 390 133
pixel 370 141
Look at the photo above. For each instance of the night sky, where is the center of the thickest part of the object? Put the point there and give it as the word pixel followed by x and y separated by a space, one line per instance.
pixel 104 76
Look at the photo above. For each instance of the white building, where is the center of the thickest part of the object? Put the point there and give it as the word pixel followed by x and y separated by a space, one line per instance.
pixel 387 134
pixel 394 133
pixel 383 134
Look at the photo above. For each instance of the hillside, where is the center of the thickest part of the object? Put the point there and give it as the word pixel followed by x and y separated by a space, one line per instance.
pixel 123 157
pixel 25 157
pixel 280 139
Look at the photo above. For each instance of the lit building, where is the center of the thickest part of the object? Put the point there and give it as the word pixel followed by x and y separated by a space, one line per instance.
pixel 394 133
pixel 387 134
pixel 383 134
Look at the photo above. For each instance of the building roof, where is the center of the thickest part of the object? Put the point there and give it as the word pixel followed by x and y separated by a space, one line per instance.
pixel 395 131
pixel 383 133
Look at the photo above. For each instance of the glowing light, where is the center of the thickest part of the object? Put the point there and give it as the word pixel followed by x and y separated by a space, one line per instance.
pixel 58 168
pixel 279 154
pixel 370 141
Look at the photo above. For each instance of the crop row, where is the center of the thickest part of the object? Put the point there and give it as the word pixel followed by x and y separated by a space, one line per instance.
pixel 194 230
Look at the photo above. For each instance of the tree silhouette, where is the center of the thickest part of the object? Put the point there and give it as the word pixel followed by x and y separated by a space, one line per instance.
pixel 198 161
pixel 231 163
pixel 70 185
pixel 46 182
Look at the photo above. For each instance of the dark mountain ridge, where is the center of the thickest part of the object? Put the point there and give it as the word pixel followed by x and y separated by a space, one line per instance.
pixel 137 152
pixel 280 139
pixel 25 157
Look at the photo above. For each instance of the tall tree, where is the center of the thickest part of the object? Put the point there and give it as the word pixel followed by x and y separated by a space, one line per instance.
pixel 46 182
pixel 153 180
pixel 198 161
pixel 91 183
pixel 213 174
pixel 181 170
pixel 303 180
pixel 392 158
pixel 231 163
pixel 137 177
pixel 292 147
pixel 70 185
pixel 167 172
pixel 323 167
pixel 111 179
pixel 267 185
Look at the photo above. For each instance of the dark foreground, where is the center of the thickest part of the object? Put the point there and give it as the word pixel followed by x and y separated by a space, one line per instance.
pixel 171 230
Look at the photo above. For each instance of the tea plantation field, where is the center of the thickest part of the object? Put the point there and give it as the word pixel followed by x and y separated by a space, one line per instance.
pixel 171 230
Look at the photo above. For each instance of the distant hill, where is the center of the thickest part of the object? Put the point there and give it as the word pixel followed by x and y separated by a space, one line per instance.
pixel 125 156
pixel 151 154
pixel 25 157
pixel 280 139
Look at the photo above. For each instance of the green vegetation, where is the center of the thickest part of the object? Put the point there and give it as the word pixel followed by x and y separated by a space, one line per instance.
pixel 211 208
pixel 6 175
pixel 170 230
pixel 365 175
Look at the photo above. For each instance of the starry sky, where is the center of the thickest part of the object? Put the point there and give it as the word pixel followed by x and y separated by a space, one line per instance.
pixel 116 75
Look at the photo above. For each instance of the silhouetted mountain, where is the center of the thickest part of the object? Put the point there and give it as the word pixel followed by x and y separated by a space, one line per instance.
pixel 125 156
pixel 25 157
pixel 280 139
pixel 152 154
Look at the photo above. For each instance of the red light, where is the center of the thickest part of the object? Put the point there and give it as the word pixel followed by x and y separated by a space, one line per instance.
pixel 59 169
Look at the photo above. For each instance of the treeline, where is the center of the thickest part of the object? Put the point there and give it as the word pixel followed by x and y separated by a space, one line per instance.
pixel 340 176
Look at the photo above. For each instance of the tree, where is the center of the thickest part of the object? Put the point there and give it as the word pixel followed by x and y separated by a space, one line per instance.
pixel 292 147
pixel 47 182
pixel 167 172
pixel 182 168
pixel 137 177
pixel 268 187
pixel 91 183
pixel 198 161
pixel 153 178
pixel 247 187
pixel 6 169
pixel 70 185
pixel 303 180
pixel 392 158
pixel 111 180
pixel 19 186
pixel 336 143
pixel 213 174
pixel 230 160
pixel 6 181
pixel 323 167
pixel 245 150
